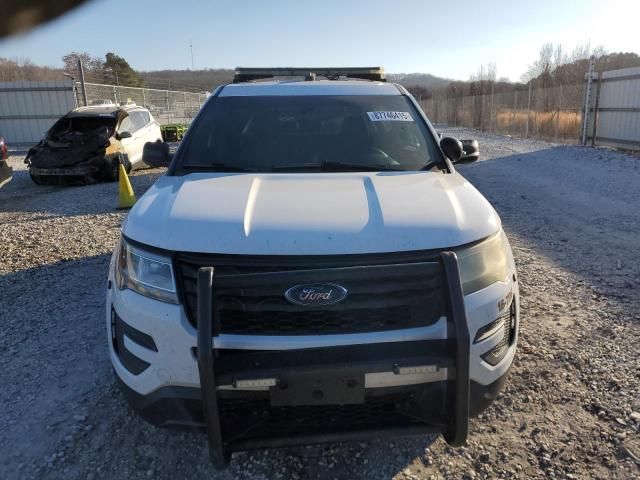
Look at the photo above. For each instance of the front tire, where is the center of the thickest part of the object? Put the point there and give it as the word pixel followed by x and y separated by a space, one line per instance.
pixel 36 179
pixel 111 171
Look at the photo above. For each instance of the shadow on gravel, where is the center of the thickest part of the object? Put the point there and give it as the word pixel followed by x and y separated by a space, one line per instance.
pixel 580 207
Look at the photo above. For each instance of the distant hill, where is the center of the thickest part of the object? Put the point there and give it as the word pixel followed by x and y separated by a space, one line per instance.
pixel 188 80
pixel 207 80
pixel 23 69
pixel 574 72
pixel 421 85
pixel 424 80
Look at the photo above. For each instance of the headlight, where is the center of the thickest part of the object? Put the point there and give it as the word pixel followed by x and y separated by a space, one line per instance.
pixel 484 263
pixel 145 272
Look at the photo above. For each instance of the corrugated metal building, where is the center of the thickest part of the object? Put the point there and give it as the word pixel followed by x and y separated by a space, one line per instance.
pixel 28 109
pixel 615 107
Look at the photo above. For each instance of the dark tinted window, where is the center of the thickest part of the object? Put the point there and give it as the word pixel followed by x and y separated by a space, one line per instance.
pixel 277 133
pixel 82 125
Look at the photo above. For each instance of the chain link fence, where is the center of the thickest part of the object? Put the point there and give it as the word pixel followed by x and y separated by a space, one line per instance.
pixel 167 106
pixel 553 114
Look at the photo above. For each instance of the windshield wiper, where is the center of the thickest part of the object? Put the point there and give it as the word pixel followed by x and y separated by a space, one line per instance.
pixel 217 167
pixel 356 167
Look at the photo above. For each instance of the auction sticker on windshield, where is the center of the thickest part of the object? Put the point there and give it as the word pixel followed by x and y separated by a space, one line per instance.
pixel 390 116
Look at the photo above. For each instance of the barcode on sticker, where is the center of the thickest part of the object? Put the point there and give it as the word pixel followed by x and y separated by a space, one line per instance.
pixel 390 116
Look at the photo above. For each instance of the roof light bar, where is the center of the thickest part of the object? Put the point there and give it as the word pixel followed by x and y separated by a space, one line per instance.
pixel 375 74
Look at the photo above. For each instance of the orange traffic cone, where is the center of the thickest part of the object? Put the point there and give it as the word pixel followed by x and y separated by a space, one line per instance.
pixel 126 197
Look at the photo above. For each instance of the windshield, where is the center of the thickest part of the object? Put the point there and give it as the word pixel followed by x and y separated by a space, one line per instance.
pixel 81 125
pixel 293 133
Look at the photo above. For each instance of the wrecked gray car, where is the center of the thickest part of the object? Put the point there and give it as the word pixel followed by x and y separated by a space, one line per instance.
pixel 88 144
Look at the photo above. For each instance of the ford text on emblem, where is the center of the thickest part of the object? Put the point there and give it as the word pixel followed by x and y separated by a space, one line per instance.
pixel 316 294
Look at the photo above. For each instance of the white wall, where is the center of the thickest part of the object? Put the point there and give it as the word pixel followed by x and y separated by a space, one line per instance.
pixel 28 109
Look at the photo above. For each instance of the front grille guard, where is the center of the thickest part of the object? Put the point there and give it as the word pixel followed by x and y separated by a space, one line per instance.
pixel 456 427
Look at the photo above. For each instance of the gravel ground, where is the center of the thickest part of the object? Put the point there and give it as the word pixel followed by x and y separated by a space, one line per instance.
pixel 571 408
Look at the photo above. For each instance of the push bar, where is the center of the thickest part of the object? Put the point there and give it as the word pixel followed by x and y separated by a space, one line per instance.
pixel 456 433
pixel 456 426
pixel 219 455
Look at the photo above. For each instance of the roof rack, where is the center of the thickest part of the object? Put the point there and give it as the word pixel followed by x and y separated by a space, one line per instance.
pixel 364 73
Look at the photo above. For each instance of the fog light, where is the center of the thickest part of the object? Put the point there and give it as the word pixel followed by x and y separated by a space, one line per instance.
pixel 508 324
pixel 492 328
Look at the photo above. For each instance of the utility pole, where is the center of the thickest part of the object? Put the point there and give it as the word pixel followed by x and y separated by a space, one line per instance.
pixel 595 111
pixel 75 88
pixel 191 48
pixel 82 85
pixel 491 108
pixel 526 134
pixel 513 122
pixel 587 100
pixel 168 99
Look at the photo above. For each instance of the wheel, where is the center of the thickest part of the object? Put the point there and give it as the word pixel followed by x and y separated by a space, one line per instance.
pixel 220 463
pixel 36 179
pixel 127 164
pixel 110 172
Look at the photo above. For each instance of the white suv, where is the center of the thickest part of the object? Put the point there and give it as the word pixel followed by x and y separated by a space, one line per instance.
pixel 311 268
pixel 88 144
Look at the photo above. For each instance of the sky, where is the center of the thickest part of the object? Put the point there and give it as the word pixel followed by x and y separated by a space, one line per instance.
pixel 447 39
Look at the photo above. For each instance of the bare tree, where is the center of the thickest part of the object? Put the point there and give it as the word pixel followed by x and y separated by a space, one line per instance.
pixel 24 69
pixel 547 71
pixel 544 65
pixel 93 66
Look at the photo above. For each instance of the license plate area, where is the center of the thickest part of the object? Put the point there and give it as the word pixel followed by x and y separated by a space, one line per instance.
pixel 60 171
pixel 342 387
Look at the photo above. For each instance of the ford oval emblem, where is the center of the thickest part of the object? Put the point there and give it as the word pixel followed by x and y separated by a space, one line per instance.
pixel 316 294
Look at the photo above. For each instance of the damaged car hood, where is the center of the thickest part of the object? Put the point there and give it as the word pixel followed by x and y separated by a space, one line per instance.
pixel 70 149
pixel 82 136
pixel 310 214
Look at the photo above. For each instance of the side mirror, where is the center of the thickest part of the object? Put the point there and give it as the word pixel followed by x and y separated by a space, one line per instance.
pixel 122 135
pixel 471 151
pixel 452 148
pixel 156 154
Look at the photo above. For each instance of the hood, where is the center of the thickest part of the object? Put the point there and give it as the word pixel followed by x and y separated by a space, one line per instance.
pixel 310 214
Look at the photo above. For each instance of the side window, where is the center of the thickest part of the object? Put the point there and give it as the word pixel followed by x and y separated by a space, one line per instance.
pixel 138 120
pixel 146 117
pixel 126 125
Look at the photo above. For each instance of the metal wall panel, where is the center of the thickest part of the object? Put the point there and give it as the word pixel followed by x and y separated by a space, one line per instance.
pixel 28 109
pixel 616 109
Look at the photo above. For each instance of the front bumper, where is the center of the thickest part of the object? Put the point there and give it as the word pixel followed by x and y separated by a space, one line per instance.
pixel 450 381
pixel 63 172
pixel 180 408
pixel 77 175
